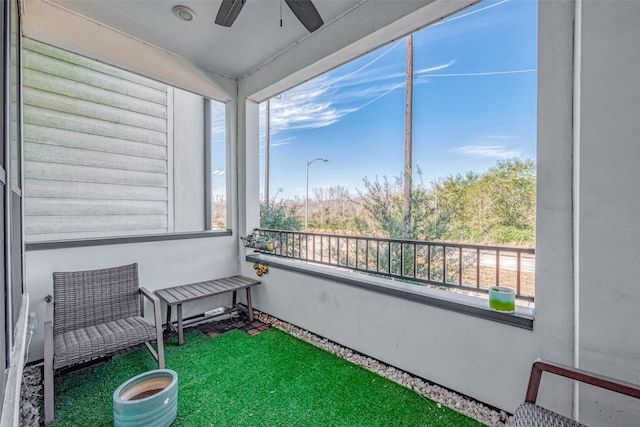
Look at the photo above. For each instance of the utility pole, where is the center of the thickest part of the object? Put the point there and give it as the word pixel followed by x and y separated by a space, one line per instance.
pixel 408 115
pixel 267 137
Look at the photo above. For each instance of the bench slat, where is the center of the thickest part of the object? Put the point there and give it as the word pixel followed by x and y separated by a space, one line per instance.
pixel 200 289
pixel 194 291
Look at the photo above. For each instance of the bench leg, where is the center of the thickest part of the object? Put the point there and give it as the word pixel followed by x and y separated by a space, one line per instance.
pixel 168 326
pixel 180 326
pixel 249 307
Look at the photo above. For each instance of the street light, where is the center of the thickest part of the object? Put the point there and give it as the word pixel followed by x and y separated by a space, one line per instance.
pixel 306 200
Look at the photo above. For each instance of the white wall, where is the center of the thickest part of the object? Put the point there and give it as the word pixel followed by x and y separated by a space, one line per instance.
pixel 161 264
pixel 609 209
pixel 188 161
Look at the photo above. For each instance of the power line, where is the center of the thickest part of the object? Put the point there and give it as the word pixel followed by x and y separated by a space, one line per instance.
pixel 350 74
pixel 487 73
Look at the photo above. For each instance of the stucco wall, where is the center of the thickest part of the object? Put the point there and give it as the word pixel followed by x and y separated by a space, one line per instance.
pixel 609 206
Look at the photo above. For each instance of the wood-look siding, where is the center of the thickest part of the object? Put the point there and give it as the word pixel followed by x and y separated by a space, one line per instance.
pixel 95 148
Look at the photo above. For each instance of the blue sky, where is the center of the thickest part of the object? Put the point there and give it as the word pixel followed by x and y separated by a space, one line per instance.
pixel 474 104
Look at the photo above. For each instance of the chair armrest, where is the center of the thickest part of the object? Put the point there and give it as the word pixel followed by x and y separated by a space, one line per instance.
pixel 149 295
pixel 157 322
pixel 540 365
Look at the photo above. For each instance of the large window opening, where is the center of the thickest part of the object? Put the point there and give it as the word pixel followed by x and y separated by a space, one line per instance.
pixel 430 138
pixel 109 153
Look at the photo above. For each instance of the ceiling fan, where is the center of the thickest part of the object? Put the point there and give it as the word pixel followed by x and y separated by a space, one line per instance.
pixel 304 10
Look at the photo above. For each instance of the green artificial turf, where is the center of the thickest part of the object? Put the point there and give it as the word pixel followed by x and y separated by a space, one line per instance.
pixel 270 379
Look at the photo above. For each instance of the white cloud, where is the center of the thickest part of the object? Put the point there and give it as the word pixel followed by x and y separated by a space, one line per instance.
pixel 279 143
pixel 325 100
pixel 217 173
pixel 498 145
pixel 494 151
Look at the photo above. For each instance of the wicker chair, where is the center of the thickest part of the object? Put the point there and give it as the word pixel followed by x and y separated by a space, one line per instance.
pixel 528 414
pixel 96 313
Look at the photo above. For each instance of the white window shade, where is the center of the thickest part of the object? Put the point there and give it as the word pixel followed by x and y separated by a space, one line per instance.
pixel 97 149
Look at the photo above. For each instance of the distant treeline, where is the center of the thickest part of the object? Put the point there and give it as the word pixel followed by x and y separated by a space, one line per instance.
pixel 495 207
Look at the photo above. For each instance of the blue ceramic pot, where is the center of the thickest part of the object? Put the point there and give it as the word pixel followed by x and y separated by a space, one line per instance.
pixel 149 399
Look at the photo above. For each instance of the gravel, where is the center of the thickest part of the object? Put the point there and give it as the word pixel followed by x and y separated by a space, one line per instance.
pixel 31 396
pixel 441 395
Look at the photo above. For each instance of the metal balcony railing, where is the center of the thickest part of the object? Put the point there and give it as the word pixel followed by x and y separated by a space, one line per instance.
pixel 452 265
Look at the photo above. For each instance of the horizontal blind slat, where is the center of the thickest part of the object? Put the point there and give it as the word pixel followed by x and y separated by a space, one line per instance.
pixel 83 190
pixel 59 120
pixel 76 156
pixel 67 224
pixel 74 173
pixel 73 139
pixel 62 86
pixel 69 207
pixel 82 108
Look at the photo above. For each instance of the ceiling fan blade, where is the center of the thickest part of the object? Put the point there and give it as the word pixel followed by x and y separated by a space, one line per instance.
pixel 306 13
pixel 229 11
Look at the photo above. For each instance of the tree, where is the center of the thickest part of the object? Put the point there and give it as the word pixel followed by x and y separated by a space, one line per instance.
pixel 280 215
pixel 384 201
pixel 333 208
pixel 497 206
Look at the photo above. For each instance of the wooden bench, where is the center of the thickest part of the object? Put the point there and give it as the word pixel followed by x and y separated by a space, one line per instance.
pixel 178 295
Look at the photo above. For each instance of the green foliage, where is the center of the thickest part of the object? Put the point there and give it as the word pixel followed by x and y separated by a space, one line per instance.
pixel 505 234
pixel 280 215
pixel 384 202
pixel 497 206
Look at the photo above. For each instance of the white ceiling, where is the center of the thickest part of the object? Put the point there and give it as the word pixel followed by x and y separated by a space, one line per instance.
pixel 255 38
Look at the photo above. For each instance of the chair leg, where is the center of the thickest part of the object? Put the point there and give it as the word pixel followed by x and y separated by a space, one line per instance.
pixel 48 373
pixel 159 342
pixel 157 314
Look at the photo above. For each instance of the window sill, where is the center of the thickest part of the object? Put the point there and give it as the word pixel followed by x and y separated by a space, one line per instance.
pixel 79 243
pixel 464 304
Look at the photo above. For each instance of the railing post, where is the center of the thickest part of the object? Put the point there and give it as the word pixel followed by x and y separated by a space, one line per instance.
pixel 460 266
pixel 478 268
pixel 518 271
pixel 444 264
pixel 429 262
pixel 498 267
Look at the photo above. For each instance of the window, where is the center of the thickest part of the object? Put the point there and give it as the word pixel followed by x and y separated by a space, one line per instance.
pixel 217 158
pixel 431 137
pixel 109 153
